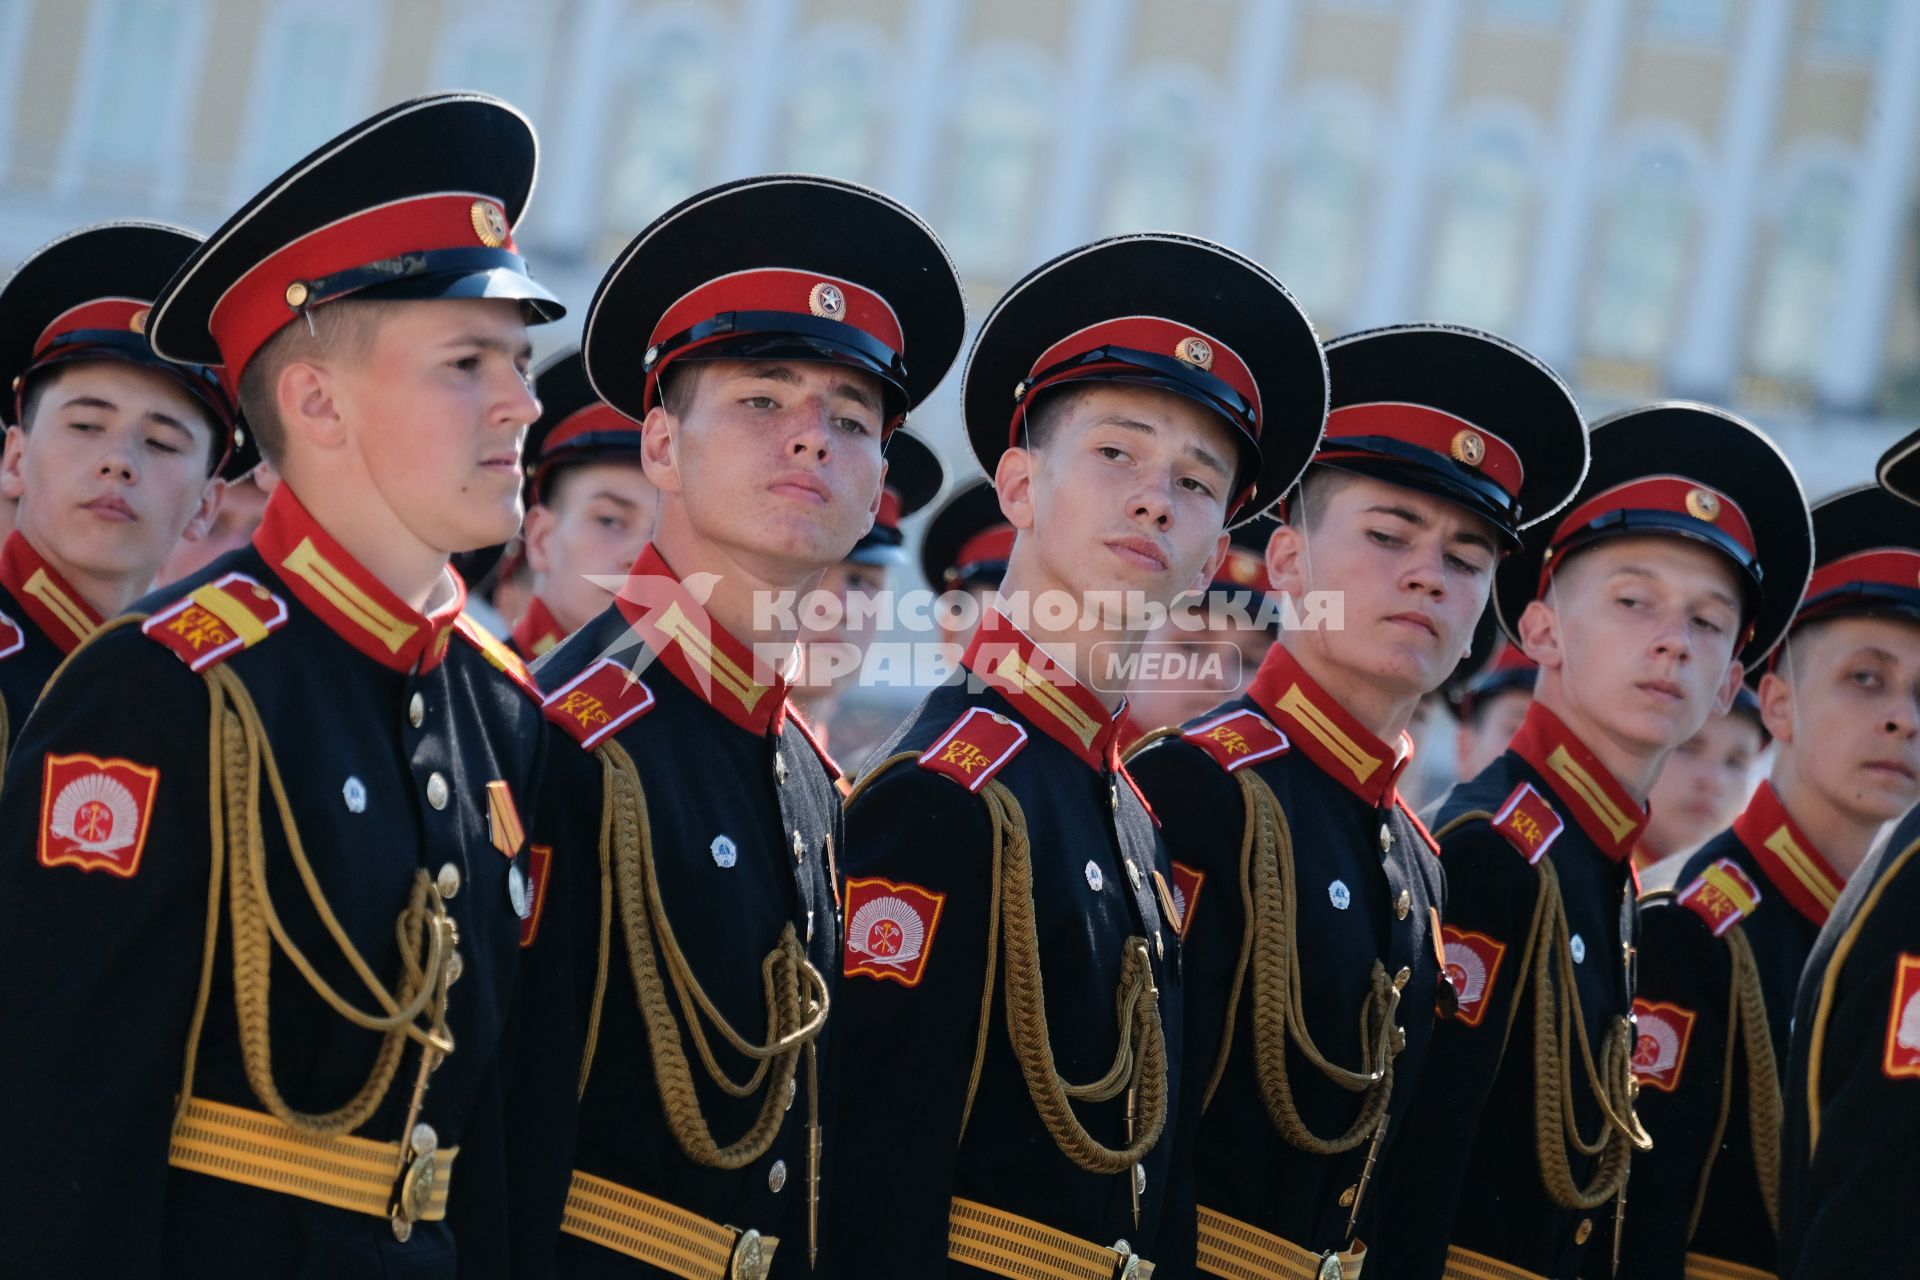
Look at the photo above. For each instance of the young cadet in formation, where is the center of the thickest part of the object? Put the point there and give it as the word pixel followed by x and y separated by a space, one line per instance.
pixel 1701 789
pixel 262 981
pixel 1009 1024
pixel 1852 1101
pixel 1489 701
pixel 768 335
pixel 590 505
pixel 1681 559
pixel 1721 957
pixel 963 551
pixel 1311 966
pixel 112 453
pixel 831 656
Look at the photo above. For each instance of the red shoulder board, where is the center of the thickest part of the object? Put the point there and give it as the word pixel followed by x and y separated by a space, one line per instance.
pixel 977 747
pixel 798 721
pixel 599 702
pixel 1902 1057
pixel 1661 1033
pixel 539 868
pixel 1528 822
pixel 1419 826
pixel 1723 895
pixel 12 638
pixel 503 658
pixel 1237 739
pixel 94 813
pixel 217 620
pixel 1472 966
pixel 890 930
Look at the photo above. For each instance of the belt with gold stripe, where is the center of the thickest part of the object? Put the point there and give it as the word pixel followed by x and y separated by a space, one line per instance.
pixel 1237 1250
pixel 1700 1267
pixel 357 1174
pixel 1465 1264
pixel 680 1243
pixel 1005 1244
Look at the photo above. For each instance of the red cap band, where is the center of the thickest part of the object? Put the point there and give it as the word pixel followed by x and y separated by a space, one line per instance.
pixel 1427 428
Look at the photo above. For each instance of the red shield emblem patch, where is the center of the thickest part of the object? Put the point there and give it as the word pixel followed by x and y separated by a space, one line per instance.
pixel 94 813
pixel 890 929
pixel 1903 1021
pixel 1662 1032
pixel 1473 963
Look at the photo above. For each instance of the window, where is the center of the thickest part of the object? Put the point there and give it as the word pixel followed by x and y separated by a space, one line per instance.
pixel 312 89
pixel 1160 160
pixel 137 52
pixel 1849 28
pixel 1481 239
pixel 994 158
pixel 1322 215
pixel 1647 233
pixel 669 123
pixel 834 112
pixel 1530 13
pixel 1690 21
pixel 1800 287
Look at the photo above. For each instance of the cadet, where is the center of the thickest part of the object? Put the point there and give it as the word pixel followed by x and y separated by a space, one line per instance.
pixel 1440 445
pixel 1489 701
pixel 262 982
pixel 1701 789
pixel 590 505
pixel 1852 1096
pixel 1682 559
pixel 112 453
pixel 963 552
pixel 832 655
pixel 768 335
pixel 1010 1020
pixel 1720 958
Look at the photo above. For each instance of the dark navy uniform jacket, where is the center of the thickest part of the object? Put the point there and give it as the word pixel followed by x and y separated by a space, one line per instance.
pixel 1853 1083
pixel 42 620
pixel 915 1134
pixel 1698 1189
pixel 1368 892
pixel 1467 1179
pixel 744 824
pixel 407 745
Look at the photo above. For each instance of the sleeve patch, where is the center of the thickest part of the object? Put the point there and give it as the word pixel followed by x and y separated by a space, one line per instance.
pixel 1661 1034
pixel 217 620
pixel 890 930
pixel 12 638
pixel 94 813
pixel 1529 823
pixel 1184 895
pixel 599 702
pixel 539 866
pixel 1237 739
pixel 1723 895
pixel 1472 966
pixel 1902 1058
pixel 978 746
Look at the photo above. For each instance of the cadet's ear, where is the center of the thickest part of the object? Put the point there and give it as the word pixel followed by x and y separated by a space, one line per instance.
pixel 212 494
pixel 1288 564
pixel 308 404
pixel 1776 706
pixel 1729 688
pixel 1013 484
pixel 12 483
pixel 1540 637
pixel 660 449
pixel 533 536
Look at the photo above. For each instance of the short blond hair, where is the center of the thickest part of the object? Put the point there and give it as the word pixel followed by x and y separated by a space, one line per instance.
pixel 337 330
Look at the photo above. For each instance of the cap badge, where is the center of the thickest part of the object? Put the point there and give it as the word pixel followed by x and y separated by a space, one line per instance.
pixel 1703 504
pixel 1469 447
pixel 827 302
pixel 489 223
pixel 1195 351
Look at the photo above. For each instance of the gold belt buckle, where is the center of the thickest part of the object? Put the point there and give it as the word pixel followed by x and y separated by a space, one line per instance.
pixel 413 1189
pixel 750 1261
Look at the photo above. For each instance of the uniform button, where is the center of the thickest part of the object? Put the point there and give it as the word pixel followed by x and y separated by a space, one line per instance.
pixel 448 880
pixel 1346 1197
pixel 1584 1230
pixel 1133 873
pixel 1113 795
pixel 777 1176
pixel 1000 719
pixel 1159 947
pixel 1400 978
pixel 416 711
pixel 436 790
pixel 1140 1179
pixel 455 967
pixel 799 848
pixel 780 770
pixel 1403 904
pixel 1386 838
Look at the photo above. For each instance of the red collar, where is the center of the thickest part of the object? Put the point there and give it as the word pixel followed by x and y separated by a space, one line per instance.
pixel 1045 693
pixel 1344 749
pixel 702 655
pixel 536 632
pixel 1791 862
pixel 1602 807
pixel 55 607
pixel 355 605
